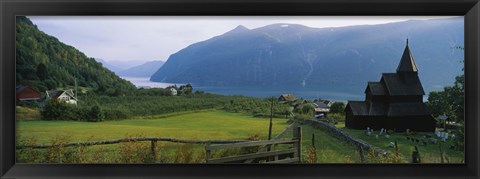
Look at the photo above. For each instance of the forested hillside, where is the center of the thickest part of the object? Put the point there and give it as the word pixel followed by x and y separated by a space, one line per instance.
pixel 43 62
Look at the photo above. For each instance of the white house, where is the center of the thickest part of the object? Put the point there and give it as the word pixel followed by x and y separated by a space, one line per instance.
pixel 173 90
pixel 66 96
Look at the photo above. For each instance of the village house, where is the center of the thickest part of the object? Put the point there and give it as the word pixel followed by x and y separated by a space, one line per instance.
pixel 287 98
pixel 395 102
pixel 172 90
pixel 66 96
pixel 26 93
pixel 322 107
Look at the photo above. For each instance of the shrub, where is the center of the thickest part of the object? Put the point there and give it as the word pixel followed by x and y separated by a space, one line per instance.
pixel 56 110
pixel 311 155
pixel 338 107
pixel 114 114
pixel 373 157
pixel 336 116
pixel 28 155
pixel 135 152
pixel 95 114
pixel 184 154
pixel 58 153
pixel 303 116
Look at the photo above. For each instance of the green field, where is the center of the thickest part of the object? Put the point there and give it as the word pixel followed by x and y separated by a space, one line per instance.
pixel 328 148
pixel 193 125
pixel 198 125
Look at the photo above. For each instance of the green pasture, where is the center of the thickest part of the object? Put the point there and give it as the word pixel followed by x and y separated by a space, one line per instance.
pixel 193 125
pixel 328 148
pixel 201 125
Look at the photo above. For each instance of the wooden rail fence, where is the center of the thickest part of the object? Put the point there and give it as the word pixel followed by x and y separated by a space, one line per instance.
pixel 138 139
pixel 273 154
pixel 153 145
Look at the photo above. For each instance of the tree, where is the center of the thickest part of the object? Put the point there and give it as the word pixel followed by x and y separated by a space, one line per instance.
pixel 450 102
pixel 96 114
pixel 308 108
pixel 338 107
pixel 55 110
pixel 185 89
pixel 42 71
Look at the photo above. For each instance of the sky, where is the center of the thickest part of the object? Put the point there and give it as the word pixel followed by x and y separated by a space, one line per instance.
pixel 133 40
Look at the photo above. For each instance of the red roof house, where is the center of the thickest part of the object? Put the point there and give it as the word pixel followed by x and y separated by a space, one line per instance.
pixel 25 93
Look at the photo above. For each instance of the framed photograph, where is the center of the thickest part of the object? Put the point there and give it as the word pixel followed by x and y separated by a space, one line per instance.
pixel 239 89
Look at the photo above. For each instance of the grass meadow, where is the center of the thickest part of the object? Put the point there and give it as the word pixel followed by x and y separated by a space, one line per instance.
pixel 192 125
pixel 327 148
pixel 199 125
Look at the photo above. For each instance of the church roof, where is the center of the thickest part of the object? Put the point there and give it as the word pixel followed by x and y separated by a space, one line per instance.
pixel 407 63
pixel 407 109
pixel 359 108
pixel 376 88
pixel 398 87
pixel 365 108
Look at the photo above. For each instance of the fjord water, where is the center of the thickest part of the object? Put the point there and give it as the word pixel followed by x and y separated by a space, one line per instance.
pixel 339 94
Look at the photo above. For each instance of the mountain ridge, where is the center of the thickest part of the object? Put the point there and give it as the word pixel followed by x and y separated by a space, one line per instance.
pixel 297 56
pixel 143 70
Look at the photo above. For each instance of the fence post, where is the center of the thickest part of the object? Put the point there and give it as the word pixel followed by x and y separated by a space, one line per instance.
pixel 313 140
pixel 298 134
pixel 207 152
pixel 396 148
pixel 416 156
pixel 154 149
pixel 441 154
pixel 362 155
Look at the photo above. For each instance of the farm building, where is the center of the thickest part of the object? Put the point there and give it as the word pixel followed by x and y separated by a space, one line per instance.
pixel 25 93
pixel 322 107
pixel 395 102
pixel 284 98
pixel 64 95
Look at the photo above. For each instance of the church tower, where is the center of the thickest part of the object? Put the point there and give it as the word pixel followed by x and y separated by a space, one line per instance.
pixel 407 68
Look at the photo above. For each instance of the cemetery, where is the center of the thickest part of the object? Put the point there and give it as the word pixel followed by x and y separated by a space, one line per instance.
pixel 433 147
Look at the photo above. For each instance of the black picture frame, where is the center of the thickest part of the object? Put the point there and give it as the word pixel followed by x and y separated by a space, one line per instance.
pixel 470 9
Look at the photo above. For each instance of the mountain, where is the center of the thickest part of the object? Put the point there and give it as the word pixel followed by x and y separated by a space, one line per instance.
pixel 143 70
pixel 126 63
pixel 108 65
pixel 342 59
pixel 43 62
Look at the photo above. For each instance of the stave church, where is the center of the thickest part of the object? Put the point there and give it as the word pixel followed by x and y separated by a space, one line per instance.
pixel 395 102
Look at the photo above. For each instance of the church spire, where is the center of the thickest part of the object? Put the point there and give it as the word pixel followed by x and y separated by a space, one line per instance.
pixel 407 63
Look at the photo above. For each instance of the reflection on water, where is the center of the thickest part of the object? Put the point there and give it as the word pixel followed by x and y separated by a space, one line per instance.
pixel 144 82
pixel 310 94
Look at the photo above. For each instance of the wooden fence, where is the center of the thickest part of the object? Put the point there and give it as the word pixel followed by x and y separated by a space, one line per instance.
pixel 273 153
pixel 152 140
pixel 265 150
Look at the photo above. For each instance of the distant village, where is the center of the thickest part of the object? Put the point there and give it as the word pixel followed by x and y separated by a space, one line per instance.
pixel 30 96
